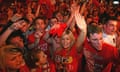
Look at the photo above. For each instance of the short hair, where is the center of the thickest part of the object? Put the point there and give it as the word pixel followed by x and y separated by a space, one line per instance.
pixel 42 18
pixel 91 29
pixel 13 35
pixel 56 12
pixel 25 19
pixel 53 18
pixel 7 49
pixel 110 18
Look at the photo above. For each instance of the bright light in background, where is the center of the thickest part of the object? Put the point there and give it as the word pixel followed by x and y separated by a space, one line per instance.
pixel 115 2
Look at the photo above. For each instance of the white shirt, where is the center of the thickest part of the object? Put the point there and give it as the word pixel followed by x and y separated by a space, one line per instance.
pixel 110 39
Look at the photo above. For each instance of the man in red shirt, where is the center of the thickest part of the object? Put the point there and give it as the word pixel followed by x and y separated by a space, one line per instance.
pixel 99 55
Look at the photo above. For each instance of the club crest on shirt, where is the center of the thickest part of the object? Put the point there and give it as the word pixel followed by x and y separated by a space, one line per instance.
pixel 62 59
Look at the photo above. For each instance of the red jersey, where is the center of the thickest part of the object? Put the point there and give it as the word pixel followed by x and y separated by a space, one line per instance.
pixel 99 61
pixel 24 68
pixel 49 67
pixel 43 45
pixel 69 59
pixel 117 68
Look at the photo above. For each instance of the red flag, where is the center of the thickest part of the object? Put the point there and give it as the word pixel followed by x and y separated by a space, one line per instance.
pixel 58 31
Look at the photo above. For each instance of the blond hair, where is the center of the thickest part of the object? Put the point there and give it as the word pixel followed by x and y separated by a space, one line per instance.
pixel 70 34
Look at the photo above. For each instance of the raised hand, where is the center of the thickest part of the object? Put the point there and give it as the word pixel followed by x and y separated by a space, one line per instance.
pixel 80 21
pixel 73 8
pixel 16 17
pixel 17 25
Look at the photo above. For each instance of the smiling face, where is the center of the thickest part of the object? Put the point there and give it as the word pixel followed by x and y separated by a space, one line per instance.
pixel 13 61
pixel 96 41
pixel 67 39
pixel 40 24
pixel 11 58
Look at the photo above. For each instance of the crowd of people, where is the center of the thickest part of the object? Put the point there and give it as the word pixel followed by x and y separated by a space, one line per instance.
pixel 60 36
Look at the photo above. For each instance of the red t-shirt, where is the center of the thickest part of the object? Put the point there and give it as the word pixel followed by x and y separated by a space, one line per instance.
pixel 49 68
pixel 99 61
pixel 43 45
pixel 68 58
pixel 24 68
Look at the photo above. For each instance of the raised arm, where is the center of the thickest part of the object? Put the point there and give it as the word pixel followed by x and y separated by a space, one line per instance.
pixel 80 21
pixel 71 21
pixel 83 8
pixel 13 27
pixel 37 11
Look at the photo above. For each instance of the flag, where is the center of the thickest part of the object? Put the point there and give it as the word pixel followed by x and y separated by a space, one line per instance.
pixel 58 31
